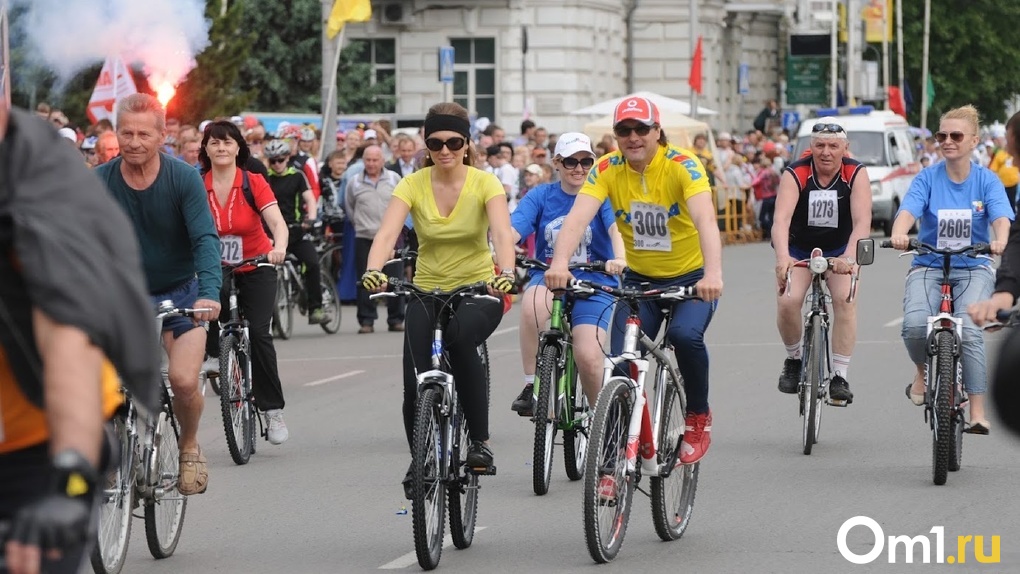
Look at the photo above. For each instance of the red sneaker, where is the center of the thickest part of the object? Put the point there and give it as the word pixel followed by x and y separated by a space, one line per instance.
pixel 697 437
pixel 607 489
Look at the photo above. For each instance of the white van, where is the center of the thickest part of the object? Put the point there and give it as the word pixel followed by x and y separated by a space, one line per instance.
pixel 882 141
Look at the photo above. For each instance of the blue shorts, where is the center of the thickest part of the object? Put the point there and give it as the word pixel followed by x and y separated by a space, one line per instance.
pixel 596 309
pixel 183 296
pixel 800 254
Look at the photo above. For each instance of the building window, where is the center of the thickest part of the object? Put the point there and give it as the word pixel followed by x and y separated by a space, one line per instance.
pixel 381 55
pixel 474 75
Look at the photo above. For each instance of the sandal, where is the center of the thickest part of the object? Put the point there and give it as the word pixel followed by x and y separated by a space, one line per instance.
pixel 194 474
pixel 977 428
pixel 916 399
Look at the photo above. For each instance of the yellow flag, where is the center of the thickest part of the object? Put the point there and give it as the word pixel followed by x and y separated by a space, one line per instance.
pixel 347 11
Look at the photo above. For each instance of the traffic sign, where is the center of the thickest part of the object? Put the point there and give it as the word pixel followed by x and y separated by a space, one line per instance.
pixel 791 120
pixel 446 64
pixel 744 79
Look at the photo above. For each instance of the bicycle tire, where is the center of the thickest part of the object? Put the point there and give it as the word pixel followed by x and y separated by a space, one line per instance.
pixel 330 304
pixel 609 432
pixel 283 308
pixel 427 501
pixel 545 419
pixel 116 507
pixel 462 495
pixel 673 496
pixel 575 439
pixel 235 399
pixel 942 434
pixel 809 392
pixel 164 514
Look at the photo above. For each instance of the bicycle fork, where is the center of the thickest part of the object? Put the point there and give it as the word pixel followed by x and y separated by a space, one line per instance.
pixel 944 321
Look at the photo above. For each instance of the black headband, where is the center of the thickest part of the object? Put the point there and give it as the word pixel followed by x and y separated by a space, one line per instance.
pixel 443 122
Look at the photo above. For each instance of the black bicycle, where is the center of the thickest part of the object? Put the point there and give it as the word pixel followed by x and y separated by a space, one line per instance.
pixel 291 290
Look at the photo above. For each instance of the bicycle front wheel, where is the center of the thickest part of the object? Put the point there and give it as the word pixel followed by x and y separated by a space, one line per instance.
pixel 428 506
pixel 164 514
pixel 810 391
pixel 283 308
pixel 672 496
pixel 575 439
pixel 942 434
pixel 330 304
pixel 462 494
pixel 235 399
pixel 608 487
pixel 115 508
pixel 545 418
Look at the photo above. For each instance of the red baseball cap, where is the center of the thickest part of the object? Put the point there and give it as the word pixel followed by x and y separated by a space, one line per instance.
pixel 636 108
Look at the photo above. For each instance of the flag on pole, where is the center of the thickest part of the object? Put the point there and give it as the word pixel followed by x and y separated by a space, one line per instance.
pixel 347 11
pixel 115 82
pixel 931 91
pixel 694 81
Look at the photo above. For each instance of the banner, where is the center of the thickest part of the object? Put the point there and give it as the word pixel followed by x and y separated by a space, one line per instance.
pixel 875 14
pixel 115 82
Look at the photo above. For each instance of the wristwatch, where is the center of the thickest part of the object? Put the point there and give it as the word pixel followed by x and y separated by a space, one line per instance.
pixel 75 475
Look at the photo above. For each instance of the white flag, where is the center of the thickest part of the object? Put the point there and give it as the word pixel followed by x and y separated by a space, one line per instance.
pixel 115 82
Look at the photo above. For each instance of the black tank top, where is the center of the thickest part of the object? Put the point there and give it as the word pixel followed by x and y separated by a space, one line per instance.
pixel 822 216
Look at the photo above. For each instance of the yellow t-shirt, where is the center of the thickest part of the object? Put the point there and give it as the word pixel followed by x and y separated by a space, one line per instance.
pixel 651 208
pixel 453 250
pixel 1002 165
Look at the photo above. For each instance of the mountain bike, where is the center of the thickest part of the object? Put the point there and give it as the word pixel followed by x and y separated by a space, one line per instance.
pixel 147 475
pixel 945 400
pixel 440 439
pixel 237 400
pixel 559 404
pixel 626 425
pixel 291 293
pixel 816 352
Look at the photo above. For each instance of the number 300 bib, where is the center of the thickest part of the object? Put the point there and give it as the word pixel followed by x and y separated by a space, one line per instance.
pixel 650 223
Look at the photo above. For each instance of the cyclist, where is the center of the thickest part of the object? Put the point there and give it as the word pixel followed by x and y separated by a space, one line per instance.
pixel 453 206
pixel 71 295
pixel 824 201
pixel 165 200
pixel 955 200
pixel 542 212
pixel 294 195
pixel 223 155
pixel 663 206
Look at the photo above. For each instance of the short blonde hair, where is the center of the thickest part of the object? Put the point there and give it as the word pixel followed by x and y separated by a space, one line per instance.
pixel 966 113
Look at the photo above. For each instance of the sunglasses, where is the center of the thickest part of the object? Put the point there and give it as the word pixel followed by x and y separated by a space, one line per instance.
pixel 955 136
pixel 573 162
pixel 625 131
pixel 275 160
pixel 452 144
pixel 827 129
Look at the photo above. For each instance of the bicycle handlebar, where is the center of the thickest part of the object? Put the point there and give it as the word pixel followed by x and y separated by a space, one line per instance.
pixel 917 247
pixel 818 265
pixel 401 287
pixel 167 309
pixel 257 261
pixel 634 294
pixel 529 263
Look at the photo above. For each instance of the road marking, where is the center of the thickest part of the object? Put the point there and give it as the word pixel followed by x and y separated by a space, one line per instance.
pixel 894 323
pixel 334 378
pixel 411 558
pixel 338 358
pixel 504 331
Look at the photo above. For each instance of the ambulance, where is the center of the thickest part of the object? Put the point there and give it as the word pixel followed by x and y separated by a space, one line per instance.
pixel 882 141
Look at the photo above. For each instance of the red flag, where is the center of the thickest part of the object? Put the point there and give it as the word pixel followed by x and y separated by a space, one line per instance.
pixel 695 80
pixel 115 82
pixel 896 103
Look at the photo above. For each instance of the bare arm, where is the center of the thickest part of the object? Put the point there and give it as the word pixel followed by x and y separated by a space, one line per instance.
pixel 860 212
pixel 1001 229
pixel 502 233
pixel 786 203
pixel 584 210
pixel 389 229
pixel 703 215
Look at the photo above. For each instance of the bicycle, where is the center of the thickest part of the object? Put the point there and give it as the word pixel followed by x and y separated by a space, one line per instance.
pixel 623 427
pixel 237 400
pixel 291 293
pixel 147 475
pixel 816 352
pixel 559 407
pixel 440 434
pixel 944 398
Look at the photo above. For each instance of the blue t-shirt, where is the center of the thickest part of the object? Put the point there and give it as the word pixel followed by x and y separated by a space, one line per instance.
pixel 953 215
pixel 542 212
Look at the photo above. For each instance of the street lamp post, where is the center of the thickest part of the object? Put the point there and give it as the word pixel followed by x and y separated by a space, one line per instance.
pixel 924 65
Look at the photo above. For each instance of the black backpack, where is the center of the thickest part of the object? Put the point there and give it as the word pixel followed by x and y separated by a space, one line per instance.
pixel 250 198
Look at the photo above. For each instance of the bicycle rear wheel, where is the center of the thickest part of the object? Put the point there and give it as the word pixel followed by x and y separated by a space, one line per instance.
pixel 330 304
pixel 235 399
pixel 942 434
pixel 672 496
pixel 545 418
pixel 164 514
pixel 115 508
pixel 428 506
pixel 812 401
pixel 608 487
pixel 575 439
pixel 462 494
pixel 283 309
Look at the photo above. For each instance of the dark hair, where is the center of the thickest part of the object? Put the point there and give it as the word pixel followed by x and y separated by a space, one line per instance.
pixel 1013 125
pixel 493 150
pixel 663 140
pixel 507 145
pixel 491 129
pixel 223 130
pixel 451 109
pixel 526 125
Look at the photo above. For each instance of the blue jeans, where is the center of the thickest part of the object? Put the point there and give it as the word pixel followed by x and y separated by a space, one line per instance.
pixel 921 299
pixel 686 332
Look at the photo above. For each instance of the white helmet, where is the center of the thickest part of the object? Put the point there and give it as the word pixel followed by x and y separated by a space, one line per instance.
pixel 277 148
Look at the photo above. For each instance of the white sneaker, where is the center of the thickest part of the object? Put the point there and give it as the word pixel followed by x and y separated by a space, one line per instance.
pixel 211 367
pixel 277 432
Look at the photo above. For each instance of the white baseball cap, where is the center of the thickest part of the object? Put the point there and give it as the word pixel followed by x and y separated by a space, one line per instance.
pixel 69 134
pixel 370 135
pixel 572 142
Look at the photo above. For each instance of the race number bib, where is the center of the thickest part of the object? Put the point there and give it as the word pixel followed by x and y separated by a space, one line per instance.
pixel 580 255
pixel 231 249
pixel 650 223
pixel 822 208
pixel 954 228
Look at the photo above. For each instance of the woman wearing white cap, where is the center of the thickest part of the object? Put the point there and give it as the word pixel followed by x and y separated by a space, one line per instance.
pixel 541 213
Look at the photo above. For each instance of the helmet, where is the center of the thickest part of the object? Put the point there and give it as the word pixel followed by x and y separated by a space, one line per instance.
pixel 277 148
pixel 307 134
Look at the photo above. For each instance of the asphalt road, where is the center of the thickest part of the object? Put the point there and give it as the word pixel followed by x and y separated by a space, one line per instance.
pixel 329 500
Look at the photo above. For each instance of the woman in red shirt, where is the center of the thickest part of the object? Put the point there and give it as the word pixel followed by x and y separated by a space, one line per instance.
pixel 242 236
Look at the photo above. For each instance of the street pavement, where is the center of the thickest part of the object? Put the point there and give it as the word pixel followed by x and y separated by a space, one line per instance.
pixel 329 500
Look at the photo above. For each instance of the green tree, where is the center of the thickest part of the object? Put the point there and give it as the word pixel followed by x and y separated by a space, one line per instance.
pixel 285 66
pixel 356 92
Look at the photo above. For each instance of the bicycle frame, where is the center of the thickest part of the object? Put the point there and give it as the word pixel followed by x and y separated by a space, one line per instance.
pixel 559 335
pixel 819 300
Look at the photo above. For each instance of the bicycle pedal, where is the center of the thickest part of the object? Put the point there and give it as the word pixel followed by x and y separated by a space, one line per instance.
pixel 483 470
pixel 835 403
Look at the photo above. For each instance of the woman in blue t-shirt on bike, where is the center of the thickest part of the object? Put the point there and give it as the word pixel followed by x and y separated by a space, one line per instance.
pixel 542 212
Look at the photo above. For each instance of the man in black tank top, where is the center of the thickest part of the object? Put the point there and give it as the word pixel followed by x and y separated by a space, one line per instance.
pixel 824 202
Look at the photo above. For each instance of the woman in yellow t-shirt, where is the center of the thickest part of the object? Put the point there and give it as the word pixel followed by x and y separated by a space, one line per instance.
pixel 454 207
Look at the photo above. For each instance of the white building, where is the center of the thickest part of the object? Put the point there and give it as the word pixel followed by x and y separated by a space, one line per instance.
pixel 578 54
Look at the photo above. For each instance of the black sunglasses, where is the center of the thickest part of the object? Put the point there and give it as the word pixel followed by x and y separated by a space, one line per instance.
pixel 277 160
pixel 625 131
pixel 452 144
pixel 827 129
pixel 956 136
pixel 573 162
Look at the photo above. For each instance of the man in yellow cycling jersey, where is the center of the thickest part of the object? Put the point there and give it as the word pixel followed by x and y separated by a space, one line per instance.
pixel 663 206
pixel 71 295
